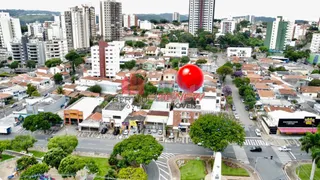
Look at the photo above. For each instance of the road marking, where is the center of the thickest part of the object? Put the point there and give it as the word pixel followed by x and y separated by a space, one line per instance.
pixel 163 177
pixel 164 171
pixel 162 162
pixel 292 155
pixel 162 165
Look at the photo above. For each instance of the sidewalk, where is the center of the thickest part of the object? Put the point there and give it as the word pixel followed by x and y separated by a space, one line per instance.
pixel 290 169
pixel 175 171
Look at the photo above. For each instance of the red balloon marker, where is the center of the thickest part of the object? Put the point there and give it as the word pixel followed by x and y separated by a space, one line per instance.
pixel 190 78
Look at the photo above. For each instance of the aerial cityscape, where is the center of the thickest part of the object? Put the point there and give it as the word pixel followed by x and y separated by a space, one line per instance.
pixel 106 90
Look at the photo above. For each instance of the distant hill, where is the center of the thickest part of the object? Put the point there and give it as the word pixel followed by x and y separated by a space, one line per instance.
pixel 264 19
pixel 167 16
pixel 29 16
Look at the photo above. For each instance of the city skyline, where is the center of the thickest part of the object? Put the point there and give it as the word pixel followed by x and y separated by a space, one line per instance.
pixel 182 6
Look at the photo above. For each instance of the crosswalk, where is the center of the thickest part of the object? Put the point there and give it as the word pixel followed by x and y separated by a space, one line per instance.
pixel 255 142
pixel 284 157
pixel 24 131
pixel 164 172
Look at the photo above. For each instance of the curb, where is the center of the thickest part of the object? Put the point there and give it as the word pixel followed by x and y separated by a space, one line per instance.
pixel 286 166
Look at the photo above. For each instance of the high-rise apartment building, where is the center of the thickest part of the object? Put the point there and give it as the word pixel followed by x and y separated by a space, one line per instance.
pixel 10 29
pixel 201 15
pixel 110 20
pixel 35 29
pixel 106 58
pixel 79 26
pixel 279 34
pixel 56 49
pixel 19 49
pixel 176 16
pixel 36 51
pixel 300 31
pixel 227 26
pixel 315 43
pixel 130 20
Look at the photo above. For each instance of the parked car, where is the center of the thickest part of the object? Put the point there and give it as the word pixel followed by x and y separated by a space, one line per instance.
pixel 284 149
pixel 233 108
pixel 154 131
pixel 171 136
pixel 125 132
pixel 104 130
pixel 247 108
pixel 236 116
pixel 250 116
pixel 258 132
pixel 160 132
pixel 256 149
pixel 13 105
pixel 242 100
pixel 149 131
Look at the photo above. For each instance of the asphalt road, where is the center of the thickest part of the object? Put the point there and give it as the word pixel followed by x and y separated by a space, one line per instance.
pixel 7 110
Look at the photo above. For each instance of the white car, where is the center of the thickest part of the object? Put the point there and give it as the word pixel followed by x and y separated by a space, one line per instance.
pixel 236 116
pixel 258 132
pixel 125 132
pixel 284 149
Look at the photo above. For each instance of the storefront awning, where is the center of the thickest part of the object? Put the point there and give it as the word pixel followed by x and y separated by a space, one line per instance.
pixel 297 130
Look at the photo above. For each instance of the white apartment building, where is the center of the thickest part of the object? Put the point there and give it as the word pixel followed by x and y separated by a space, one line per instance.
pixel 299 31
pixel 239 51
pixel 176 49
pixel 227 26
pixel 35 29
pixel 110 20
pixel 130 20
pixel 56 49
pixel 176 16
pixel 146 25
pixel 19 49
pixel 54 31
pixel 10 29
pixel 201 15
pixel 315 43
pixel 36 51
pixel 106 64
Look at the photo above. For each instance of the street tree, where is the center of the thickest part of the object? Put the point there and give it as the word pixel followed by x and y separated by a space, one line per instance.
pixel 238 81
pixel 14 65
pixel 35 94
pixel 132 174
pixel 201 61
pixel 26 161
pixel 138 149
pixel 229 101
pixel 238 74
pixel 223 71
pixel 149 88
pixel 311 142
pixel 54 156
pixel 58 78
pixel 175 62
pixel 60 90
pixel 264 49
pixel 70 165
pixel 31 89
pixel 4 145
pixel 111 174
pixel 66 142
pixel 227 91
pixel 23 142
pixel 75 60
pixel 31 64
pixel 314 82
pixel 95 89
pixel 33 172
pixel 217 131
pixel 53 62
pixel 42 121
pixel 184 60
pixel 91 166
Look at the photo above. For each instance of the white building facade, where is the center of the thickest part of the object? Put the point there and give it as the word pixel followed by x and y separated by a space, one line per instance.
pixel 299 31
pixel 315 43
pixel 239 51
pixel 176 16
pixel 201 15
pixel 227 26
pixel 146 25
pixel 36 51
pixel 130 20
pixel 10 29
pixel 176 49
pixel 56 49
pixel 35 29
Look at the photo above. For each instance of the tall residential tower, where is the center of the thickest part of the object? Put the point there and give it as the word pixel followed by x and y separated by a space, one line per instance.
pixel 110 20
pixel 201 15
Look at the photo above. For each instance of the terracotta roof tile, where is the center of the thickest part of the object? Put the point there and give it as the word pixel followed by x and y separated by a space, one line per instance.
pixel 274 108
pixel 264 93
pixel 158 113
pixel 95 117
pixel 310 89
pixel 287 92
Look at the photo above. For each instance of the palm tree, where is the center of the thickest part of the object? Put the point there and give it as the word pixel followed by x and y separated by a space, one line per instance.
pixel 311 142
pixel 60 90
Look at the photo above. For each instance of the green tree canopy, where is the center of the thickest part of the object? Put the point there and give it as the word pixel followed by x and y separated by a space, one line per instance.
pixel 201 61
pixel 138 149
pixel 264 49
pixel 238 81
pixel 130 64
pixel 31 64
pixel 95 89
pixel 31 89
pixel 54 156
pixel 223 71
pixel 314 82
pixel 184 60
pixel 33 172
pixel 60 90
pixel 23 142
pixel 244 23
pixel 70 165
pixel 132 174
pixel 14 65
pixel 75 59
pixel 58 78
pixel 217 131
pixel 4 145
pixel 149 88
pixel 53 62
pixel 176 23
pixel 111 174
pixel 25 162
pixel 42 121
pixel 66 142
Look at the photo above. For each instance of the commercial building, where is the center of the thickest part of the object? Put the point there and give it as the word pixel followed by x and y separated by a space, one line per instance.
pixel 227 26
pixel 110 20
pixel 79 26
pixel 279 34
pixel 9 29
pixel 106 58
pixel 130 20
pixel 146 25
pixel 36 51
pixel 52 103
pixel 201 15
pixel 176 49
pixel 116 112
pixel 81 110
pixel 56 49
pixel 19 49
pixel 239 51
pixel 315 43
pixel 176 16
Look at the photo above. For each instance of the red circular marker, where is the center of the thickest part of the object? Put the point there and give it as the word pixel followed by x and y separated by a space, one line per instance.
pixel 190 78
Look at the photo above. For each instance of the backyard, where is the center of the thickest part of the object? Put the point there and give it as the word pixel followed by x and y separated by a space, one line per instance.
pixel 304 172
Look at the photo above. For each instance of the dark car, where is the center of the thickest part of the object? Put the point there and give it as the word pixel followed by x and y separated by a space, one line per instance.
pixel 256 149
pixel 104 130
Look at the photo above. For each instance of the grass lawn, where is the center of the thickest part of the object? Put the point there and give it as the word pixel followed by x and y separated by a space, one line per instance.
pixel 193 170
pixel 231 171
pixel 102 164
pixel 38 154
pixel 305 171
pixel 5 157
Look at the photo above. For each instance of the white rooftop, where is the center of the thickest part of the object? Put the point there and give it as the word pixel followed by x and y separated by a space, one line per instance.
pixel 160 106
pixel 274 116
pixel 86 105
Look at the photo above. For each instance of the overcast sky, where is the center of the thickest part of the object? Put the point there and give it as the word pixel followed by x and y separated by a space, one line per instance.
pixel 291 9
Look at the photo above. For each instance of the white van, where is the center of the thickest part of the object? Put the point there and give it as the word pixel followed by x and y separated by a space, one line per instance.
pixel 258 132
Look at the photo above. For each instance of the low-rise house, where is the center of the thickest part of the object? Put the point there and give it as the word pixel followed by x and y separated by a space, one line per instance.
pixel 43 70
pixel 52 103
pixel 310 91
pixel 135 121
pixel 5 98
pixel 266 94
pixel 169 75
pixel 149 65
pixel 18 92
pixel 154 76
pixel 288 94
pixel 261 86
pixel 92 123
pixel 156 120
pixel 152 51
pixel 133 55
